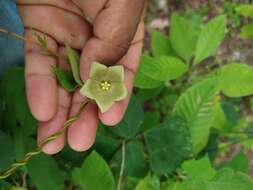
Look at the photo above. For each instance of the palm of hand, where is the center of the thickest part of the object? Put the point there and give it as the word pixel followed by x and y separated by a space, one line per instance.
pixel 105 38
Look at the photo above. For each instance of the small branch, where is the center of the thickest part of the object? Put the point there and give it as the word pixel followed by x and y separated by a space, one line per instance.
pixel 24 175
pixel 19 37
pixel 122 167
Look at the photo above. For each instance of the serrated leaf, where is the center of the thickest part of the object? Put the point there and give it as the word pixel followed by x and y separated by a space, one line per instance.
pixel 147 94
pixel 6 151
pixel 65 79
pixel 197 106
pixel 236 80
pixel 106 146
pixel 245 10
pixel 226 179
pixel 239 163
pixel 220 121
pixel 74 60
pixel 210 38
pixel 151 119
pixel 163 68
pixel 142 80
pixel 150 182
pixel 168 145
pixel 246 31
pixel 135 162
pixel 183 37
pixel 131 123
pixel 45 173
pixel 94 174
pixel 161 45
pixel 199 170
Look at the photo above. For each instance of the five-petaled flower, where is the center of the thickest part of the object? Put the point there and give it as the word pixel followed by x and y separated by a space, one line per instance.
pixel 105 85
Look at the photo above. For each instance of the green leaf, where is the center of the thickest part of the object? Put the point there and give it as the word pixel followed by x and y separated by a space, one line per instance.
pixel 246 31
pixel 135 162
pixel 65 79
pixel 94 174
pixel 197 106
pixel 239 163
pixel 74 60
pixel 150 182
pixel 147 94
pixel 6 151
pixel 15 110
pixel 183 37
pixel 199 170
pixel 163 68
pixel 41 40
pixel 226 179
pixel 220 121
pixel 106 146
pixel 161 45
pixel 45 173
pixel 142 80
pixel 130 183
pixel 245 10
pixel 210 38
pixel 168 146
pixel 236 80
pixel 17 188
pixel 151 119
pixel 131 123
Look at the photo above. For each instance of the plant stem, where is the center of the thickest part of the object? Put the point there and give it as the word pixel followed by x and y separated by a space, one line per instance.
pixel 19 37
pixel 38 150
pixel 122 167
pixel 24 175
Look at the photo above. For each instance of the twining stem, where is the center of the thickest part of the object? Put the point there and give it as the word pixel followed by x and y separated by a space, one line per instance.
pixel 38 150
pixel 19 37
pixel 122 167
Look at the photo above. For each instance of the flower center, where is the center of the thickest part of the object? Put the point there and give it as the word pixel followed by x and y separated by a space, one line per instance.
pixel 105 85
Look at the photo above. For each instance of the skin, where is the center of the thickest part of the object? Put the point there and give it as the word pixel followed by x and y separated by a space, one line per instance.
pixel 108 31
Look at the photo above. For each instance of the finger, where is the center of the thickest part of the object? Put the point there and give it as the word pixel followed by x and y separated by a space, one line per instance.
pixel 66 4
pixel 131 61
pixel 90 7
pixel 114 28
pixel 49 128
pixel 58 23
pixel 82 133
pixel 41 85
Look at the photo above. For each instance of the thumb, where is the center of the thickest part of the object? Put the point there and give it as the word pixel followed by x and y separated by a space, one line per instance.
pixel 115 23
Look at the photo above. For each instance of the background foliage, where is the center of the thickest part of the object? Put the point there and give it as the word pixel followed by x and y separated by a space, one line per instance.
pixel 188 126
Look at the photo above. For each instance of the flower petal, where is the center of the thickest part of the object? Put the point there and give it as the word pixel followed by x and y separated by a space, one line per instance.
pixel 116 73
pixel 104 105
pixel 120 92
pixel 96 68
pixel 88 89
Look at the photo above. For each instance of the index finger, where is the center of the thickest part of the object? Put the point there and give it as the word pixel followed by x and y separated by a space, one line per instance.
pixel 41 84
pixel 115 23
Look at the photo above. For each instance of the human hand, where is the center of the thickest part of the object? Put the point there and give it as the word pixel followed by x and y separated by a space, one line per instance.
pixel 107 31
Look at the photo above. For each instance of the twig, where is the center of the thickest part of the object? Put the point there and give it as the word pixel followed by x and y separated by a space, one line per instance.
pixel 122 167
pixel 19 37
pixel 24 175
pixel 38 150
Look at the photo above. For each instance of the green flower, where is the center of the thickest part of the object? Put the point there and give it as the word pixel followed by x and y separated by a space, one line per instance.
pixel 105 85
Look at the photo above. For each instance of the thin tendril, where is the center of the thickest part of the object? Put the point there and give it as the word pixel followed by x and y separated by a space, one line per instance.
pixel 122 167
pixel 38 150
pixel 19 37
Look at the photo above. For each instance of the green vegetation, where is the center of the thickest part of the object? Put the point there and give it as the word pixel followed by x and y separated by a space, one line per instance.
pixel 187 113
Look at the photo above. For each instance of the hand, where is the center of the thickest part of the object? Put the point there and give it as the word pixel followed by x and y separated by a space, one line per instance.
pixel 108 31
